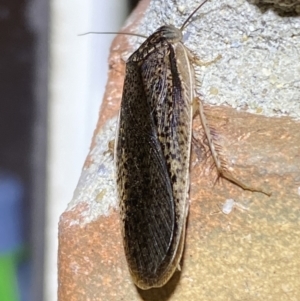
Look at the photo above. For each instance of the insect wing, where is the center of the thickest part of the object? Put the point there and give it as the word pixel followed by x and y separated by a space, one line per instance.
pixel 145 190
pixel 153 153
pixel 169 90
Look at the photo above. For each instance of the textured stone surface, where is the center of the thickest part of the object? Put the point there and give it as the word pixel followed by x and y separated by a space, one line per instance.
pixel 249 253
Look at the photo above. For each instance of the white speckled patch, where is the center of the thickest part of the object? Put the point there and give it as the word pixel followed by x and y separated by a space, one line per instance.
pixel 96 186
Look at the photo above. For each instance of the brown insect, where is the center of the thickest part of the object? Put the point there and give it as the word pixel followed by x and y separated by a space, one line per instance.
pixel 153 146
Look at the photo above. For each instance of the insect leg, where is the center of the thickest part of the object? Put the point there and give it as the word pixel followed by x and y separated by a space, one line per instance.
pixel 215 152
pixel 197 61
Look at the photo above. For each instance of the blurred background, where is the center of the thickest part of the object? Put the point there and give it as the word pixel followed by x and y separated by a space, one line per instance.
pixel 51 86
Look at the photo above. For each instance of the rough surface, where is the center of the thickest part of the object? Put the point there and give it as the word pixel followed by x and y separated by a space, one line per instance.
pixel 239 245
pixel 96 185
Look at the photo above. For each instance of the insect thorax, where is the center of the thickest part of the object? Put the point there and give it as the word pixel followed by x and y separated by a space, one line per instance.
pixel 162 37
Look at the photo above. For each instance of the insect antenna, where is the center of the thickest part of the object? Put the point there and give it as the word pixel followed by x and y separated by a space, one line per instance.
pixel 140 35
pixel 191 15
pixel 113 32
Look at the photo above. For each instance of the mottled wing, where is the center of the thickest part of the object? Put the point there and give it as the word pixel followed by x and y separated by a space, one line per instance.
pixel 153 152
pixel 145 190
pixel 169 88
pixel 168 80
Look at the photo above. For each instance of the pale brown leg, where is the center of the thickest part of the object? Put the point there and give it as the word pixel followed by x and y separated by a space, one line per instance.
pixel 197 61
pixel 214 148
pixel 110 148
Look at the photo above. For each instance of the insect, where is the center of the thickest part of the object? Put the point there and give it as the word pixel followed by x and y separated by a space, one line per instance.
pixel 153 145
